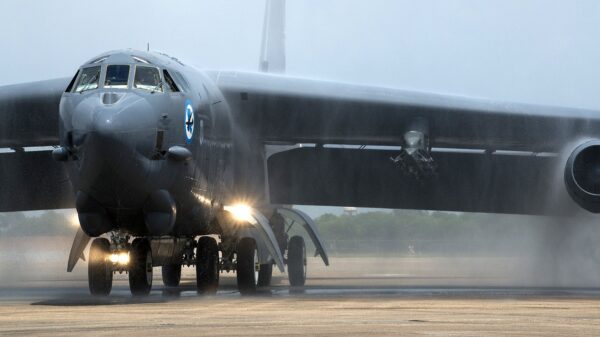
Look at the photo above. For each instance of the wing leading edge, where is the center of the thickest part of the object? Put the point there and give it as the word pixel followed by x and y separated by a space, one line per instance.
pixel 295 110
pixel 490 156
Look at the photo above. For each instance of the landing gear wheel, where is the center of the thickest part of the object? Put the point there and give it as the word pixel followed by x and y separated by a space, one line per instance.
pixel 247 266
pixel 296 261
pixel 265 274
pixel 207 265
pixel 140 268
pixel 100 275
pixel 171 275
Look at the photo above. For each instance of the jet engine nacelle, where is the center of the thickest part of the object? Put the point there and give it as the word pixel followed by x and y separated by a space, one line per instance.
pixel 582 175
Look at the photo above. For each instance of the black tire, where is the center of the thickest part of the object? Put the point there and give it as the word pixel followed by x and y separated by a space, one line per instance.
pixel 265 274
pixel 140 267
pixel 296 261
pixel 207 265
pixel 100 275
pixel 171 275
pixel 247 267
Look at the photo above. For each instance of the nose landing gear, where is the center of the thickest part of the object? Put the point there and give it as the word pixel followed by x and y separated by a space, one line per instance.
pixel 100 270
pixel 107 258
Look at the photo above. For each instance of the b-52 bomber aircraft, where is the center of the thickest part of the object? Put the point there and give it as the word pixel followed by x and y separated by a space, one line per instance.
pixel 167 165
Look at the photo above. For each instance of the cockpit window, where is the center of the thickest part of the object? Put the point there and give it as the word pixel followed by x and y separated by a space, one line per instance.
pixel 147 78
pixel 116 76
pixel 183 84
pixel 170 83
pixel 72 83
pixel 89 79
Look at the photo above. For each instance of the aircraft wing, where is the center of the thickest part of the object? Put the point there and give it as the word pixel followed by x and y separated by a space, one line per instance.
pixel 29 113
pixel 29 178
pixel 490 156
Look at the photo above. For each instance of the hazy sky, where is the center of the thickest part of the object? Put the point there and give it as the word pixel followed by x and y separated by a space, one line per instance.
pixel 531 51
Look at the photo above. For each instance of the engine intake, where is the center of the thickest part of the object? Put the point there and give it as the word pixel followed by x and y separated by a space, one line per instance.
pixel 582 175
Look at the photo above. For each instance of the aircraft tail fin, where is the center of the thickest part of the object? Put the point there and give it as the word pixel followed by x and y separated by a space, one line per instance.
pixel 272 52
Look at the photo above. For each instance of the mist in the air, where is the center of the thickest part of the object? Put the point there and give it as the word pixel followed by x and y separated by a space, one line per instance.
pixel 381 248
pixel 526 51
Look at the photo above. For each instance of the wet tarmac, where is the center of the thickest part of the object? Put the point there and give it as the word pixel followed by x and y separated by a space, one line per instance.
pixel 335 305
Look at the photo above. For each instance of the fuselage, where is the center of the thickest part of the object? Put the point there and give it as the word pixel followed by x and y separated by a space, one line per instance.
pixel 149 141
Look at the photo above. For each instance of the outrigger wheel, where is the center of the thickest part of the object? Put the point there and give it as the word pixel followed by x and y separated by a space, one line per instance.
pixel 207 265
pixel 296 261
pixel 140 267
pixel 247 266
pixel 100 274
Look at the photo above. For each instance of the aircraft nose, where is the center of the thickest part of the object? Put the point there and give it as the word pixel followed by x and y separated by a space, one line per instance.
pixel 114 119
pixel 113 141
pixel 108 112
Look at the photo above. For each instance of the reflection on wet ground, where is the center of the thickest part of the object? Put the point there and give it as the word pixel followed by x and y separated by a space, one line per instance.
pixel 55 294
pixel 340 302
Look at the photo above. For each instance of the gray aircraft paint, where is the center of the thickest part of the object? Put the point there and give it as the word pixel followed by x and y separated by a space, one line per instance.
pixel 120 171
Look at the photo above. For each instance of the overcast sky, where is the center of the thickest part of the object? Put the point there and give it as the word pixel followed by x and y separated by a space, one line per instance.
pixel 530 51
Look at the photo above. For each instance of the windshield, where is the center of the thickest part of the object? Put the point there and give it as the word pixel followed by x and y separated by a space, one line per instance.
pixel 147 78
pixel 89 79
pixel 117 76
pixel 171 86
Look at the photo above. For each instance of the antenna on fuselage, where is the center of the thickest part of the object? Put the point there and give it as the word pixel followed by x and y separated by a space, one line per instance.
pixel 148 46
pixel 272 51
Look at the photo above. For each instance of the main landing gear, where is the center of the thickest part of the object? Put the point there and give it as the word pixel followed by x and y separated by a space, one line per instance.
pixel 296 261
pixel 253 261
pixel 207 265
pixel 171 275
pixel 140 267
pixel 247 266
pixel 252 275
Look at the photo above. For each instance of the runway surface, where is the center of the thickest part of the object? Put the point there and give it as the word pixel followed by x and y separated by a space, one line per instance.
pixel 341 301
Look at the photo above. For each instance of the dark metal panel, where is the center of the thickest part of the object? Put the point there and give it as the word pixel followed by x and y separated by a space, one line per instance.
pixel 29 113
pixel 300 110
pixel 33 181
pixel 465 182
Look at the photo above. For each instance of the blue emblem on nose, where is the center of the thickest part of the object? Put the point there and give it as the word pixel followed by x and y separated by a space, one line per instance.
pixel 189 121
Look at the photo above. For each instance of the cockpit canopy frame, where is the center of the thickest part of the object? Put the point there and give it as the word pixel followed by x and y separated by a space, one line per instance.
pixel 140 75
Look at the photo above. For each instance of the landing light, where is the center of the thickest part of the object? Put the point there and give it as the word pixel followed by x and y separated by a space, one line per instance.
pixel 119 258
pixel 240 212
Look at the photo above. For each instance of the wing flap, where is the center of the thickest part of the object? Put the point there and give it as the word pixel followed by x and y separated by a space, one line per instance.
pixel 466 182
